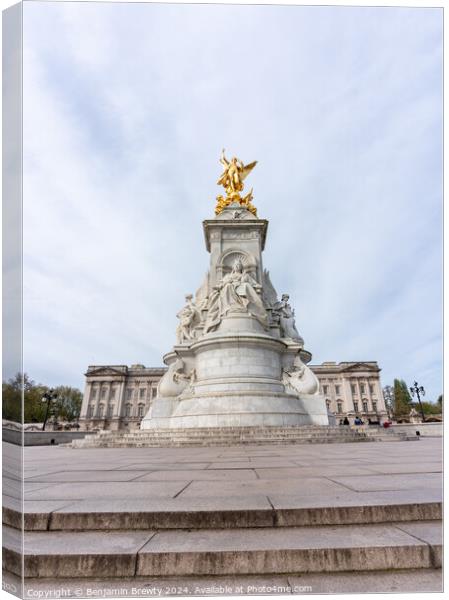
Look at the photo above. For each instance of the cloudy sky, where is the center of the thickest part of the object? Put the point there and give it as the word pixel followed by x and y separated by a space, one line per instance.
pixel 126 109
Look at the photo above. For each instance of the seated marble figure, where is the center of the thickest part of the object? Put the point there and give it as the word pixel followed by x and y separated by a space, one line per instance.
pixel 236 292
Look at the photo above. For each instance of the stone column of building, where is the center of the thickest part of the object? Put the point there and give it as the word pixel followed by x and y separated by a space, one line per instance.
pixel 349 405
pixel 85 401
pixel 120 397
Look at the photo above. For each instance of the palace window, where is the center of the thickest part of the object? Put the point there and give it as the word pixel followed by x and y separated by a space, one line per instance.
pixel 362 388
pixel 90 411
pixel 110 411
pixel 93 393
pixel 324 389
pixel 339 407
pixel 365 406
pixel 353 389
pixel 375 407
pixel 337 389
pixel 356 406
pixel 112 396
pixel 140 409
pixel 371 389
pixel 128 410
pixel 100 410
pixel 129 394
pixel 142 393
pixel 103 393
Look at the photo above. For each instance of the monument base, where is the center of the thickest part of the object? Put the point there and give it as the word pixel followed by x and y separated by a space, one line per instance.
pixel 228 409
pixel 234 378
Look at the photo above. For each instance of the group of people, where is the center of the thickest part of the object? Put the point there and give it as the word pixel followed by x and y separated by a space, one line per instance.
pixel 357 421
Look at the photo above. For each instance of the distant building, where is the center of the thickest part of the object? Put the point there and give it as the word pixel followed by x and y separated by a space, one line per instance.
pixel 118 397
pixel 352 389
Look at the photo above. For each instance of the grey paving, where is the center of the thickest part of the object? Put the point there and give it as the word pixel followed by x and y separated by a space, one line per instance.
pixel 87 476
pixel 398 481
pixel 231 510
pixel 421 467
pixel 304 486
pixel 107 490
pixel 200 475
pixel 307 474
pixel 303 472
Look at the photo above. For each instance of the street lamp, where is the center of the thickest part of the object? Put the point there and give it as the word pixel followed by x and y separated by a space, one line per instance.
pixel 418 391
pixel 49 397
pixel 388 393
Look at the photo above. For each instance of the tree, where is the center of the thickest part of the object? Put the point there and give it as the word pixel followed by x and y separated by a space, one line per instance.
pixel 31 409
pixel 440 402
pixel 12 398
pixel 402 402
pixel 430 408
pixel 69 406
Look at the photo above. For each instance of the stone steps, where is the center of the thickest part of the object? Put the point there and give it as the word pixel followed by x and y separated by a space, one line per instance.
pixel 250 551
pixel 239 435
pixel 225 513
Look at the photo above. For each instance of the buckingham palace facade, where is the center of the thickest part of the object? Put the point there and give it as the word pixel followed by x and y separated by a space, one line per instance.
pixel 117 397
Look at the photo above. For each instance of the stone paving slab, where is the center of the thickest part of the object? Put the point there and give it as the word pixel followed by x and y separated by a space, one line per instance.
pixel 35 512
pixel 302 472
pixel 430 533
pixel 163 466
pixel 397 481
pixel 353 508
pixel 304 486
pixel 81 491
pixel 413 580
pixel 421 467
pixel 86 554
pixel 167 513
pixel 87 476
pixel 16 488
pixel 283 550
pixel 200 475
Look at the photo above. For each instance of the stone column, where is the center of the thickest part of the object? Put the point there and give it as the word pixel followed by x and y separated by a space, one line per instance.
pixel 347 395
pixel 85 402
pixel 120 399
pixel 97 399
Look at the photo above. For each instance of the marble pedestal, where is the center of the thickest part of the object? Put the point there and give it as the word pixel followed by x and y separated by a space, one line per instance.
pixel 238 382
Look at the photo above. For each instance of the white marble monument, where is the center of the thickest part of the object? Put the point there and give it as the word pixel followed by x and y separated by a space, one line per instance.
pixel 239 359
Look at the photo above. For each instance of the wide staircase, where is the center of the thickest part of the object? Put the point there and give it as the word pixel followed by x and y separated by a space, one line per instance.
pixel 229 436
pixel 222 538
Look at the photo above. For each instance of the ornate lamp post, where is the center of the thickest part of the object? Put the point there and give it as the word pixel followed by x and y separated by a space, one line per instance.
pixel 388 393
pixel 418 391
pixel 49 397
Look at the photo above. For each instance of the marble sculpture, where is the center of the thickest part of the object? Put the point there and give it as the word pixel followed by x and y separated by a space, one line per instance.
pixel 238 359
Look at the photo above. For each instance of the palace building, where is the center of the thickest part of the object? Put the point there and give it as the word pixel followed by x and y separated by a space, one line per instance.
pixel 117 397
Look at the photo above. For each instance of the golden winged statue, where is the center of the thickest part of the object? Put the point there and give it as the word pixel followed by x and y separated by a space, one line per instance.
pixel 232 178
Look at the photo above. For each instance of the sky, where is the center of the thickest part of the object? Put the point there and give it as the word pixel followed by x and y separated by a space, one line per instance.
pixel 126 110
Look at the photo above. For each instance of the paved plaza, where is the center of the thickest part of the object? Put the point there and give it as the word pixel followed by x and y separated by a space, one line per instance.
pixel 59 477
pixel 160 514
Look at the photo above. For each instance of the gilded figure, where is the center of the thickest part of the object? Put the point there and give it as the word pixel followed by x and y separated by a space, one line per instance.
pixel 234 173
